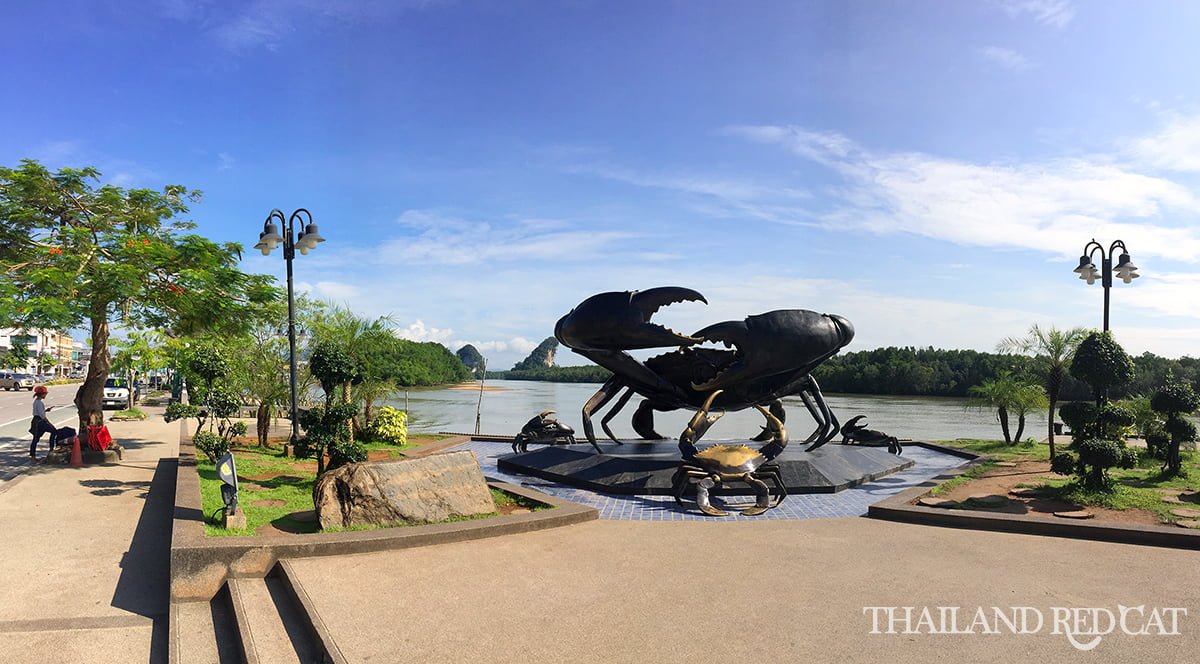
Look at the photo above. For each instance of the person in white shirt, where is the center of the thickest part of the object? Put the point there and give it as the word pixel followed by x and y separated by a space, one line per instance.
pixel 40 424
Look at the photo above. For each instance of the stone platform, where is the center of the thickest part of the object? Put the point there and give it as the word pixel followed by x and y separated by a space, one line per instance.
pixel 646 467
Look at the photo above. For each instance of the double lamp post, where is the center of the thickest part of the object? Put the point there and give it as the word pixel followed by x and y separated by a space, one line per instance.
pixel 270 238
pixel 1125 270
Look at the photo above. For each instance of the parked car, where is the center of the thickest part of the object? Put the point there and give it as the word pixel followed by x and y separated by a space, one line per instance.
pixel 16 381
pixel 116 394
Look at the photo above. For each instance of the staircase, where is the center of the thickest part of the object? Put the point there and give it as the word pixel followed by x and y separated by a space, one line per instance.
pixel 252 621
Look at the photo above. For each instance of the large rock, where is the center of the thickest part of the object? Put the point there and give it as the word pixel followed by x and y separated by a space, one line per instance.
pixel 406 491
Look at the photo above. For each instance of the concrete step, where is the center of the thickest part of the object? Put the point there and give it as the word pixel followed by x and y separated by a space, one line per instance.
pixel 271 623
pixel 204 632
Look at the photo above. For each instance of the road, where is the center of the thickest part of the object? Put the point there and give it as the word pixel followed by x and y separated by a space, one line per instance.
pixel 16 409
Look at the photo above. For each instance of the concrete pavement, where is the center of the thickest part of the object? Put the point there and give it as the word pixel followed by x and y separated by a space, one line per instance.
pixel 85 572
pixel 765 591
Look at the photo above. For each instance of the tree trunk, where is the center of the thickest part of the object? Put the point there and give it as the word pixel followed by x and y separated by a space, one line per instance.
pixel 1020 427
pixel 346 399
pixel 1053 387
pixel 1053 401
pixel 264 423
pixel 368 412
pixel 1002 415
pixel 90 394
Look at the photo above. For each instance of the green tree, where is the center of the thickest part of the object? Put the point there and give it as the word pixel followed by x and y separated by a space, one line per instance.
pixel 1053 350
pixel 17 356
pixel 1101 363
pixel 1097 430
pixel 46 362
pixel 75 255
pixel 1176 400
pixel 359 340
pixel 139 352
pixel 1007 395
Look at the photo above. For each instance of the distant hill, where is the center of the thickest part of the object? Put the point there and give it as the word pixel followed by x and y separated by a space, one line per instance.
pixel 542 357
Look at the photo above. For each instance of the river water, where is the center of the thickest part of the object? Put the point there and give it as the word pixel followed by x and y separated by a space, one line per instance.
pixel 505 410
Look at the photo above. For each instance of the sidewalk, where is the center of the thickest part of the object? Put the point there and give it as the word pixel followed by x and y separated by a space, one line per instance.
pixel 755 591
pixel 86 566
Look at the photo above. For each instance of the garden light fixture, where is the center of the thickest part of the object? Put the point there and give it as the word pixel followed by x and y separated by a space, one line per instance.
pixel 1125 270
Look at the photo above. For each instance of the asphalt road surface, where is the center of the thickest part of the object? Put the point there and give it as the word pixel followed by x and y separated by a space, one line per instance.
pixel 16 409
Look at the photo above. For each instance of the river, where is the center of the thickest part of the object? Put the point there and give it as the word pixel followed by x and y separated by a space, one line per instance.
pixel 505 410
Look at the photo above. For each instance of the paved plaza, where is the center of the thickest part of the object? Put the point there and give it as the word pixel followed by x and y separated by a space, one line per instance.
pixel 850 502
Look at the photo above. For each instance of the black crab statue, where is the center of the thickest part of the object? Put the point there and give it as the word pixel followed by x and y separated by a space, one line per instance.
pixel 545 430
pixel 766 357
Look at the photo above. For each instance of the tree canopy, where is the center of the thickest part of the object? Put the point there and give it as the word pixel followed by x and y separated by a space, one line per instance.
pixel 79 254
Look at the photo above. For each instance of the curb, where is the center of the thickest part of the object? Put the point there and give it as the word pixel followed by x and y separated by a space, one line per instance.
pixel 900 508
pixel 200 565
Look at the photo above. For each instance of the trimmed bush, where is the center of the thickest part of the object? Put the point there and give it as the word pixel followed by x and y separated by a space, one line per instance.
pixel 213 446
pixel 389 426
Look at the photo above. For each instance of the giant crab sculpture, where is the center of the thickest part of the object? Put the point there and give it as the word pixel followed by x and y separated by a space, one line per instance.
pixel 717 464
pixel 772 356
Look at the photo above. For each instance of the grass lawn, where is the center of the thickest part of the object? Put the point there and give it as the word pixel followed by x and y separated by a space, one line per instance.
pixel 290 481
pixel 1141 487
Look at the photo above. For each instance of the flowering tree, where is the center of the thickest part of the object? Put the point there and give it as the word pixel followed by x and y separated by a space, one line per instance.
pixel 75 254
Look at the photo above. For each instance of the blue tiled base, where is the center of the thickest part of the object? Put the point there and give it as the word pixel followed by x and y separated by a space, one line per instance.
pixel 850 502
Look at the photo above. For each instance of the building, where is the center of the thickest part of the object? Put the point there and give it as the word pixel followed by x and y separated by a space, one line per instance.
pixel 58 345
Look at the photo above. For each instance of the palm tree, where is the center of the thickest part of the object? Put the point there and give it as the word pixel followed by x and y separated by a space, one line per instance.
pixel 337 324
pixel 1054 349
pixel 1000 394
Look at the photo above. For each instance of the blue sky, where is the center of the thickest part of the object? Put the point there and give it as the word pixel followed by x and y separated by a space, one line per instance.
pixel 930 170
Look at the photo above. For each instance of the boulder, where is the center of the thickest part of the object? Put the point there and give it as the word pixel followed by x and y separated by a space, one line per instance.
pixel 403 491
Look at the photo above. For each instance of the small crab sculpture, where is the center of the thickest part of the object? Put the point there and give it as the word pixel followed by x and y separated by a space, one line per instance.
pixel 854 433
pixel 545 430
pixel 717 464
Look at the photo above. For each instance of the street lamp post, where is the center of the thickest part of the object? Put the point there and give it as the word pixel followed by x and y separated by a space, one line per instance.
pixel 1125 270
pixel 268 239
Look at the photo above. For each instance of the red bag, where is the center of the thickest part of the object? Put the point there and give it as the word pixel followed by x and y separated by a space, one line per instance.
pixel 99 438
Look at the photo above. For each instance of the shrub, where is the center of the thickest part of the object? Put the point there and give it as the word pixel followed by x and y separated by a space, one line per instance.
pixel 389 426
pixel 212 445
pixel 1063 463
pixel 181 411
pixel 1098 431
pixel 1102 363
pixel 237 429
pixel 325 428
pixel 346 451
pixel 1175 400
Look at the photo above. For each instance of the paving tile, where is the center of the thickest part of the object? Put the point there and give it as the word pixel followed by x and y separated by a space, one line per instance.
pixel 850 502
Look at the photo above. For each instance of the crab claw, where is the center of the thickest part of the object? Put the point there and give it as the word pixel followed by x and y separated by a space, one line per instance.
pixel 621 320
pixel 698 426
pixel 780 341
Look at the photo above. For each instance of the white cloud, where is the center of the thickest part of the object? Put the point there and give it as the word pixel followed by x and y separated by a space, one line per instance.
pixel 514 345
pixel 1176 147
pixel 1052 13
pixel 418 331
pixel 1004 57
pixel 449 240
pixel 1171 293
pixel 336 291
pixel 1046 206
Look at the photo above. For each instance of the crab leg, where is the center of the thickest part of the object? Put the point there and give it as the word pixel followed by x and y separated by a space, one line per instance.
pixel 763 495
pixel 643 422
pixel 816 415
pixel 702 488
pixel 602 396
pixel 613 411
pixel 829 421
